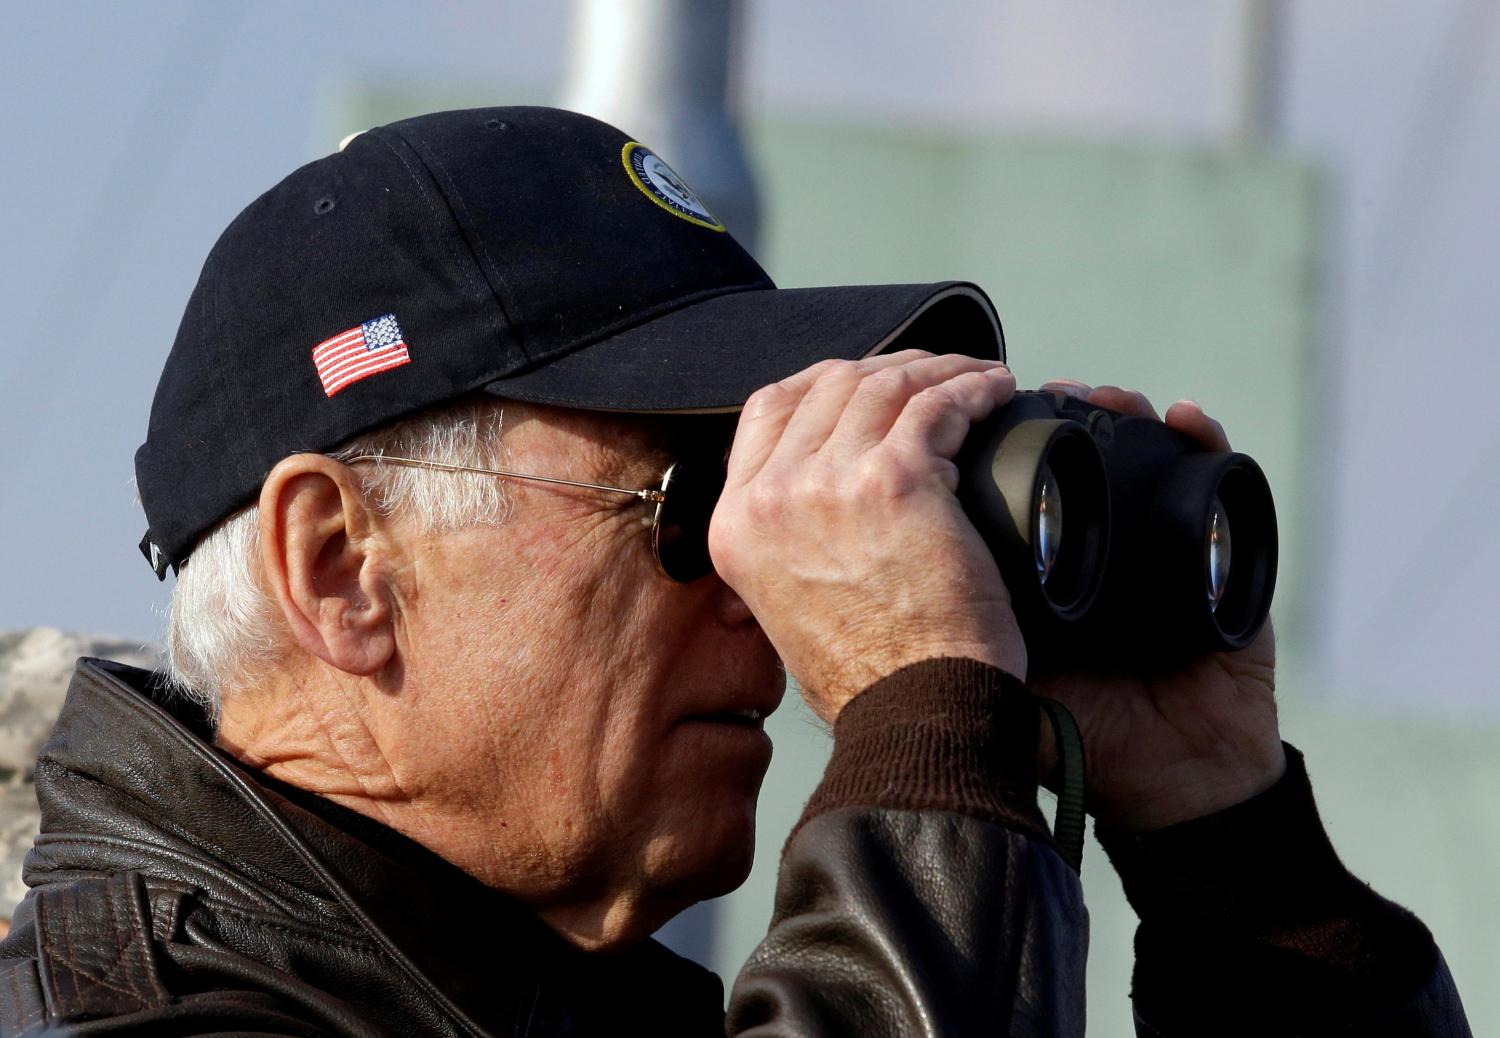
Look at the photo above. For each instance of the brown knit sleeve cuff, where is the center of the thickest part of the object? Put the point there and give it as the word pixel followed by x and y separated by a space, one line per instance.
pixel 941 735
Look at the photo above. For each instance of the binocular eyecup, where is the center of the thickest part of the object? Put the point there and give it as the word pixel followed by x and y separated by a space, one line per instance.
pixel 1119 539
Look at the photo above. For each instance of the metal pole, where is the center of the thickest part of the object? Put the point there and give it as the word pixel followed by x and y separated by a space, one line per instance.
pixel 663 71
pixel 1260 94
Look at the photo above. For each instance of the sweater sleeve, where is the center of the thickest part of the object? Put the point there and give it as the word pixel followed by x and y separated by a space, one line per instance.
pixel 941 735
pixel 1251 925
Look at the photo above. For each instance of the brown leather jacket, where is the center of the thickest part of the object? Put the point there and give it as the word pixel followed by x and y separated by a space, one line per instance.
pixel 175 893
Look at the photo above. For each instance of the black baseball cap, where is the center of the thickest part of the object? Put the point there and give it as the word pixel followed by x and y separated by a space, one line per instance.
pixel 532 253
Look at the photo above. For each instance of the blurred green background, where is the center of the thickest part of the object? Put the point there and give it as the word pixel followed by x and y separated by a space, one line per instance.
pixel 1183 270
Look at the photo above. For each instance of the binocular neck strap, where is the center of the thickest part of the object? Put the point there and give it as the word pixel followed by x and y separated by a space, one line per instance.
pixel 1068 826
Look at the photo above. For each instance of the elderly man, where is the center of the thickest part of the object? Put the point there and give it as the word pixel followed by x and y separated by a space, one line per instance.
pixel 485 588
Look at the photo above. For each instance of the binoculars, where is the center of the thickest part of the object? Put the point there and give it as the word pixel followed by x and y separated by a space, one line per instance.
pixel 1120 540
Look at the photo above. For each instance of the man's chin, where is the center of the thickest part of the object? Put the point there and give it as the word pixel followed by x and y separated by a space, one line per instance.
pixel 711 870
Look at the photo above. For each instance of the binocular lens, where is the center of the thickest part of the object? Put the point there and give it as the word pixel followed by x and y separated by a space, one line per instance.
pixel 1145 566
pixel 1048 522
pixel 1217 556
pixel 1015 472
pixel 1213 530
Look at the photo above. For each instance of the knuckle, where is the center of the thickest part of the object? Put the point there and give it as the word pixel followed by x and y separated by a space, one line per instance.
pixel 878 476
pixel 765 400
pixel 835 372
pixel 892 382
pixel 969 381
pixel 823 366
pixel 765 500
pixel 723 538
pixel 938 399
pixel 947 472
pixel 809 489
pixel 909 354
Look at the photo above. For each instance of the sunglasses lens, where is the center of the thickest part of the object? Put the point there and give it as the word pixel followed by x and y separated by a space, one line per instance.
pixel 693 489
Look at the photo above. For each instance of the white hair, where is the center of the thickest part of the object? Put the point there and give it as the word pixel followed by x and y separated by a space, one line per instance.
pixel 223 630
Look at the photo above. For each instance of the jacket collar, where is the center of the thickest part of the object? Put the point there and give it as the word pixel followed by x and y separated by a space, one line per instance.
pixel 129 780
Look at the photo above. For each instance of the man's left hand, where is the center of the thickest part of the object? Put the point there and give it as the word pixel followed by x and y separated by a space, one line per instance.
pixel 1165 747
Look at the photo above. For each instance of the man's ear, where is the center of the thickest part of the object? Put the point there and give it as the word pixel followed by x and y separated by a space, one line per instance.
pixel 321 557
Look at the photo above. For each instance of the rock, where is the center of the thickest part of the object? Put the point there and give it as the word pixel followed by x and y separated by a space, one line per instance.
pixel 35 668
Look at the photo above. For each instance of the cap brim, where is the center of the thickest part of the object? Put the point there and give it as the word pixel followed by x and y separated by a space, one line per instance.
pixel 711 355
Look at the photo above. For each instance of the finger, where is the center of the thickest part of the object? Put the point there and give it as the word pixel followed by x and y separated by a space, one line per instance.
pixel 769 410
pixel 936 420
pixel 818 412
pixel 1126 401
pixel 1070 386
pixel 1186 416
pixel 881 398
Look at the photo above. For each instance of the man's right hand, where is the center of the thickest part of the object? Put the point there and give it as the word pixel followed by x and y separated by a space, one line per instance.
pixel 839 527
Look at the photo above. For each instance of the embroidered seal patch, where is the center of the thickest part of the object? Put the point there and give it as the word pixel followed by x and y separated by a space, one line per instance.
pixel 659 183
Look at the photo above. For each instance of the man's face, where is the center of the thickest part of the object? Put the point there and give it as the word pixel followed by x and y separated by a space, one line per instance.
pixel 572 701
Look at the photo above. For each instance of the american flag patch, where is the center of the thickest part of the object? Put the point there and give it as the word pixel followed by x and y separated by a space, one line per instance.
pixel 362 351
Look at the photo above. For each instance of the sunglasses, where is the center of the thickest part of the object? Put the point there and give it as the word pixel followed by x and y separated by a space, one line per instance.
pixel 684 503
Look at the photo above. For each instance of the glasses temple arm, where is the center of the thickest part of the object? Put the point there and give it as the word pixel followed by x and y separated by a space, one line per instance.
pixel 646 494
